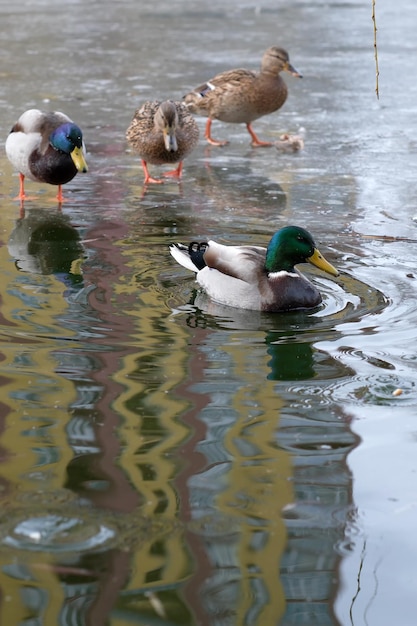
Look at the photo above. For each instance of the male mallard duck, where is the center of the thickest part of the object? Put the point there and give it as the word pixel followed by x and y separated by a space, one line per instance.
pixel 241 96
pixel 47 147
pixel 251 277
pixel 162 132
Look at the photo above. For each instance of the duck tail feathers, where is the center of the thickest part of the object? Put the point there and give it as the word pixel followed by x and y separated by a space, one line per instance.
pixel 181 255
pixel 191 257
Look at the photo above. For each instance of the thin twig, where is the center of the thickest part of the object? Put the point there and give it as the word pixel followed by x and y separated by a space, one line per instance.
pixel 375 50
pixel 358 581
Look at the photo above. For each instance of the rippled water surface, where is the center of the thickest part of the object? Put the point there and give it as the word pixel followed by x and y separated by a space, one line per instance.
pixel 165 460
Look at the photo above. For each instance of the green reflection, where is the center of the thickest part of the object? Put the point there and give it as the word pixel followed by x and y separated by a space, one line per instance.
pixel 290 361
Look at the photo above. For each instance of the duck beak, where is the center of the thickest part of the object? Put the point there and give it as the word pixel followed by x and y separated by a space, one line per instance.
pixel 291 69
pixel 319 261
pixel 77 155
pixel 170 139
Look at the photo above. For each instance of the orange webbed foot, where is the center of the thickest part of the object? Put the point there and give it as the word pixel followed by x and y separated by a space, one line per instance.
pixel 209 138
pixel 216 142
pixel 148 177
pixel 175 173
pixel 257 143
pixel 153 181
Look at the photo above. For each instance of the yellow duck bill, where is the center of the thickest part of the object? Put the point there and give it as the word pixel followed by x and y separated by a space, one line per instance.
pixel 319 261
pixel 77 155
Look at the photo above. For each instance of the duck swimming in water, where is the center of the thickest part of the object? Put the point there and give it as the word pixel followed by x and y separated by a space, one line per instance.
pixel 257 278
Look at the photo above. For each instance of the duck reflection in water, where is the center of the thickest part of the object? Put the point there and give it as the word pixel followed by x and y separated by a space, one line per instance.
pixel 290 361
pixel 46 243
pixel 293 356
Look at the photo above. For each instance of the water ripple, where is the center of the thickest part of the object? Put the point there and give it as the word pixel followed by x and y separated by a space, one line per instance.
pixel 379 389
pixel 57 523
pixel 345 299
pixel 57 533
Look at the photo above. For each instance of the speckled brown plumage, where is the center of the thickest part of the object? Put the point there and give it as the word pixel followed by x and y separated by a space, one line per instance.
pixel 162 132
pixel 241 96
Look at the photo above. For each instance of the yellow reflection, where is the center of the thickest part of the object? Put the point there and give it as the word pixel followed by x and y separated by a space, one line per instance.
pixel 34 409
pixel 151 432
pixel 145 422
pixel 258 487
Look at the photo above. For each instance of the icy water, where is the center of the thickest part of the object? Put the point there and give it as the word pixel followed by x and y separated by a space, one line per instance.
pixel 165 460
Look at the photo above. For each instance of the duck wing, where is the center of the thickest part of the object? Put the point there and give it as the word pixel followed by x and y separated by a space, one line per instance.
pixel 142 122
pixel 245 263
pixel 216 93
pixel 227 80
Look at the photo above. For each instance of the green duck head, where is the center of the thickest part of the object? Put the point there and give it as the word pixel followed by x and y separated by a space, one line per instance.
pixel 292 245
pixel 68 139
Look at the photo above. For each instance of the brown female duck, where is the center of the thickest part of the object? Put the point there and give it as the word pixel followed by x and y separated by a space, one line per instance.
pixel 241 96
pixel 162 132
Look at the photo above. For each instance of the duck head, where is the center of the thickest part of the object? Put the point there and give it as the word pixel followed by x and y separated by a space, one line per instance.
pixel 276 60
pixel 68 139
pixel 166 120
pixel 292 245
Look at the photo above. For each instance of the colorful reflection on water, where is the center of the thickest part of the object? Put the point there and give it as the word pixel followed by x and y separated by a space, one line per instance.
pixel 165 460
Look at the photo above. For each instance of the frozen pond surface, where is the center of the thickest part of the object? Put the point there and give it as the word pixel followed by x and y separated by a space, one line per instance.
pixel 167 461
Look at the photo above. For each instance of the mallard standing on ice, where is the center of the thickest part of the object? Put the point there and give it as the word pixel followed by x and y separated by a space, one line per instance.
pixel 162 132
pixel 251 277
pixel 241 96
pixel 46 147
